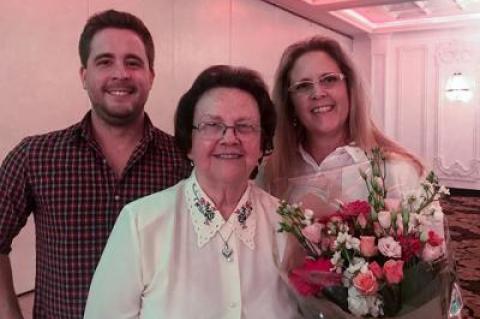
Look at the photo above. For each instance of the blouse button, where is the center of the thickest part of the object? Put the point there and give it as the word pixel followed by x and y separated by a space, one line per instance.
pixel 117 198
pixel 233 305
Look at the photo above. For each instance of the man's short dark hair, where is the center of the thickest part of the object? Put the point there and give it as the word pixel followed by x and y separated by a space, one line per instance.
pixel 225 76
pixel 118 20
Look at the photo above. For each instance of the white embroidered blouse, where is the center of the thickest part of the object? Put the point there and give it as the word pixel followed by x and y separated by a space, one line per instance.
pixel 164 259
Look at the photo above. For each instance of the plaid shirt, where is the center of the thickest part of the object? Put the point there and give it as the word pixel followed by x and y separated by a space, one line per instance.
pixel 63 178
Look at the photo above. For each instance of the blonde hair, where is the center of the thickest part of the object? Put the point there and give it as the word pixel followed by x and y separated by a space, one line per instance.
pixel 289 134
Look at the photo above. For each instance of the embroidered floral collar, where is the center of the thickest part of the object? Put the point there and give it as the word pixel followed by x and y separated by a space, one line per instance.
pixel 207 220
pixel 208 210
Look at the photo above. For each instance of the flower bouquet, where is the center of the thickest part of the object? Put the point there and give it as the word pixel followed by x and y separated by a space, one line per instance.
pixel 381 257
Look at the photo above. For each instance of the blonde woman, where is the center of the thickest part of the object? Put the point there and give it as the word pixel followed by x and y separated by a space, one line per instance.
pixel 325 131
pixel 324 127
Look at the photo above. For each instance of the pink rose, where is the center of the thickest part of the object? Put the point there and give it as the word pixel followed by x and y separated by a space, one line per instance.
pixel 392 204
pixel 366 283
pixel 362 221
pixel 385 218
pixel 313 232
pixel 393 270
pixel 367 246
pixel 376 269
pixel 389 247
pixel 431 253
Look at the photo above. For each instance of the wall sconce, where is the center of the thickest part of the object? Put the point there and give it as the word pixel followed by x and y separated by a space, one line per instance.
pixel 458 88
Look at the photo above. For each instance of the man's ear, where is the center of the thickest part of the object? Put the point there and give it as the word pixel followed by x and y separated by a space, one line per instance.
pixel 83 73
pixel 152 77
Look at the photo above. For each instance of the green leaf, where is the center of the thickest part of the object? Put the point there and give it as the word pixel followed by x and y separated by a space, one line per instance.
pixel 392 299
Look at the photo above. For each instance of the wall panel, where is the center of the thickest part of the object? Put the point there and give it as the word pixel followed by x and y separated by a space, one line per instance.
pixel 411 91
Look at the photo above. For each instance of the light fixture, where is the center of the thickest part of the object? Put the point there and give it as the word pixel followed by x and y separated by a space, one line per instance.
pixel 458 88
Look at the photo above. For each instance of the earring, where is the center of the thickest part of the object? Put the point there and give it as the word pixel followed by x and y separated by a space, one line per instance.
pixel 192 164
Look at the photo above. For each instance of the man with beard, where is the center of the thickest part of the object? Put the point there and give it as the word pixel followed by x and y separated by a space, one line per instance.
pixel 76 180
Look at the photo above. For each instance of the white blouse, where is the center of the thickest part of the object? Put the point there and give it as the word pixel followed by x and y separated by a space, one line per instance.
pixel 337 178
pixel 164 259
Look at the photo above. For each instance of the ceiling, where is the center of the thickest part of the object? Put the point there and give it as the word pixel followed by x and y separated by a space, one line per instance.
pixel 354 17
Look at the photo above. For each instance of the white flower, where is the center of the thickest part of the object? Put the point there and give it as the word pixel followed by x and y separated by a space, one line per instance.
pixel 353 243
pixel 356 264
pixel 411 198
pixel 336 259
pixel 307 222
pixel 308 214
pixel 347 278
pixel 357 304
pixel 360 305
pixel 443 190
pixel 428 186
pixel 436 211
pixel 341 238
pixel 375 306
pixel 389 247
pixel 344 228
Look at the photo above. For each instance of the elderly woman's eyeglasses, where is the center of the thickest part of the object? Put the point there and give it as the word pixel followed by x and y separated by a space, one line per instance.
pixel 326 81
pixel 216 130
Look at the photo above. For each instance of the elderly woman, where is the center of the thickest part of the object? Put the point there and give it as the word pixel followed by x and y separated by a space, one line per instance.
pixel 207 247
pixel 325 129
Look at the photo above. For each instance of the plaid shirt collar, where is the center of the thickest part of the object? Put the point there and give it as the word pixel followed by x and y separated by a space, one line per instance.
pixel 83 130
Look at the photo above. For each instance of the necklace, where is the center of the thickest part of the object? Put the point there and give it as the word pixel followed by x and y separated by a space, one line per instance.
pixel 227 252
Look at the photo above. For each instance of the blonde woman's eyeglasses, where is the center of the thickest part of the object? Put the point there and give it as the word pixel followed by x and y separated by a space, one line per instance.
pixel 326 81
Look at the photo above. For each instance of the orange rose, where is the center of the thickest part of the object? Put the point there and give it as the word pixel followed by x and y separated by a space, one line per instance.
pixel 367 246
pixel 366 283
pixel 393 270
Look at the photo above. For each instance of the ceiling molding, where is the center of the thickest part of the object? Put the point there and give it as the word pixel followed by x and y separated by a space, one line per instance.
pixel 352 18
